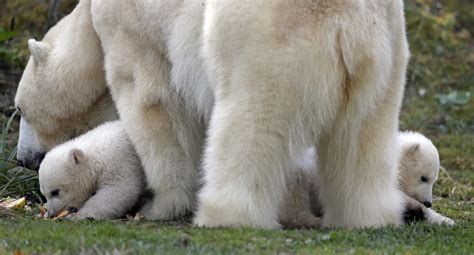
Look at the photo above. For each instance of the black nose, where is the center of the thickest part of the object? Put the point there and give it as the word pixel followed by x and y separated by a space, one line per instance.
pixel 427 204
pixel 20 163
pixel 39 157
pixel 32 163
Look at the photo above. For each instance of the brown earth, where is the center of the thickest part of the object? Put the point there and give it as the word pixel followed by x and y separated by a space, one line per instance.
pixel 9 79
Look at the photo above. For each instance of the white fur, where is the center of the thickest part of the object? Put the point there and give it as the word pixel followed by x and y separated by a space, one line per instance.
pixel 284 72
pixel 160 88
pixel 419 159
pixel 62 92
pixel 97 173
pixel 273 77
pixel 29 151
pixel 435 218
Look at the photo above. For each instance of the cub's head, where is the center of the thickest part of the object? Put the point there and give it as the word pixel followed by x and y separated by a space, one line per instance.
pixel 62 92
pixel 65 180
pixel 419 166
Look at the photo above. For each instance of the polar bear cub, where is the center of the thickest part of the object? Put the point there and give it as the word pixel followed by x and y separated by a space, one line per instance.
pixel 419 166
pixel 97 174
pixel 418 171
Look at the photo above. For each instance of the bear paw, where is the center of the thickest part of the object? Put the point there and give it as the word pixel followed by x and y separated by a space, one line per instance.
pixel 172 207
pixel 436 218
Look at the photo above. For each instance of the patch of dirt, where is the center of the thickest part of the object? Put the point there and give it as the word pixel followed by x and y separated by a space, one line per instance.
pixel 9 79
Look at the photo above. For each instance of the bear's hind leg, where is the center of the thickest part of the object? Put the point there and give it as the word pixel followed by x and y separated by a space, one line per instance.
pixel 359 156
pixel 245 166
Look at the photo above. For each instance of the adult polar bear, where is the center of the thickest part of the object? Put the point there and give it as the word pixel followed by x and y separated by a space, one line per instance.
pixel 277 76
pixel 283 73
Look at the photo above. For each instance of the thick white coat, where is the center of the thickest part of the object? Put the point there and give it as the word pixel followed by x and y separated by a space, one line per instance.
pixel 419 166
pixel 284 74
pixel 418 171
pixel 62 92
pixel 265 80
pixel 97 173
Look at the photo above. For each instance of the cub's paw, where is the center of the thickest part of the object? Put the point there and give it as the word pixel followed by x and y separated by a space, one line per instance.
pixel 77 217
pixel 436 218
pixel 212 217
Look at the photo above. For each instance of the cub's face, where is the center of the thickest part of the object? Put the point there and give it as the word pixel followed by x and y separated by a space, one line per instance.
pixel 421 173
pixel 64 181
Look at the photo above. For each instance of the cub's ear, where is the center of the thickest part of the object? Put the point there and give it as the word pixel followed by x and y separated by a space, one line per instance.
pixel 77 156
pixel 39 50
pixel 413 148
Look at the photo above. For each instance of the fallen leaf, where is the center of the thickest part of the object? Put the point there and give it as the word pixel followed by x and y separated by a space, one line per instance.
pixel 42 212
pixel 6 201
pixel 62 215
pixel 138 217
pixel 454 98
pixel 17 204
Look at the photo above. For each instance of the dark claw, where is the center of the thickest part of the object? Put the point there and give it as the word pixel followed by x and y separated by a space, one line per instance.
pixel 427 204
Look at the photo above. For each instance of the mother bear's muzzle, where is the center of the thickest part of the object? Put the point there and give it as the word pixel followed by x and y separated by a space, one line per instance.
pixel 29 152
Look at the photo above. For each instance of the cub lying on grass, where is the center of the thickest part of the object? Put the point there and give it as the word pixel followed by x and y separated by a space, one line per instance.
pixel 97 174
pixel 419 166
pixel 418 171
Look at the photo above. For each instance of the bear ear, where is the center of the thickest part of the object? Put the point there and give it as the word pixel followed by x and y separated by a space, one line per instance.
pixel 413 148
pixel 77 156
pixel 39 50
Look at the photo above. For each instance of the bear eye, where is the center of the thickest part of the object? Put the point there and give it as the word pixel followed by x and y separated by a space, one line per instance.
pixel 55 193
pixel 424 179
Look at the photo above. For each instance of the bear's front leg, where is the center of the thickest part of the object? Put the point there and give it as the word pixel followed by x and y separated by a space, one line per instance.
pixel 170 170
pixel 167 144
pixel 246 164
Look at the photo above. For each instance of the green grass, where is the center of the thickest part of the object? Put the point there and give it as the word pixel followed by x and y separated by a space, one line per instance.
pixel 30 235
pixel 14 181
pixel 439 102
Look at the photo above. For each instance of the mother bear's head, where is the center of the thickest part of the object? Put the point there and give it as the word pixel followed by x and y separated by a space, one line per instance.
pixel 63 91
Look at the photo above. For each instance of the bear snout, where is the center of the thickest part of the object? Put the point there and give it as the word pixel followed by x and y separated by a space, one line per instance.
pixel 427 204
pixel 31 161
